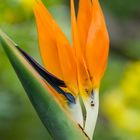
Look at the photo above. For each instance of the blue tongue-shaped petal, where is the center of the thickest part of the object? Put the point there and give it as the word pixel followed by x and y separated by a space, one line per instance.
pixel 43 72
pixel 51 79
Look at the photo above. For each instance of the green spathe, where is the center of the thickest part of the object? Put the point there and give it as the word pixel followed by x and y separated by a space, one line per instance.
pixel 57 121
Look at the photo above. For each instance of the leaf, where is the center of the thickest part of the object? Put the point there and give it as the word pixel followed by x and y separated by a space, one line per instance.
pixel 58 122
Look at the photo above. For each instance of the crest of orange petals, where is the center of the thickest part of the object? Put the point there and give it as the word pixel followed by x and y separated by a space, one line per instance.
pixel 82 64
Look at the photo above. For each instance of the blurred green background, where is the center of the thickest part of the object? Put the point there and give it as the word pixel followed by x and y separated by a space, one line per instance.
pixel 119 117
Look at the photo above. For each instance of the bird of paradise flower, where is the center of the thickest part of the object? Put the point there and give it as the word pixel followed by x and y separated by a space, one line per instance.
pixel 73 72
pixel 80 65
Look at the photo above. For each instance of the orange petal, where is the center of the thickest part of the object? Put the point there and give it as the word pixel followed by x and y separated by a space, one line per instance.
pixel 83 21
pixel 97 45
pixel 83 76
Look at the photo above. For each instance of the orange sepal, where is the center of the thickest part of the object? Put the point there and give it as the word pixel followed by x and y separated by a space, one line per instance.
pixel 47 43
pixel 83 21
pixel 58 56
pixel 84 82
pixel 97 45
pixel 68 63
